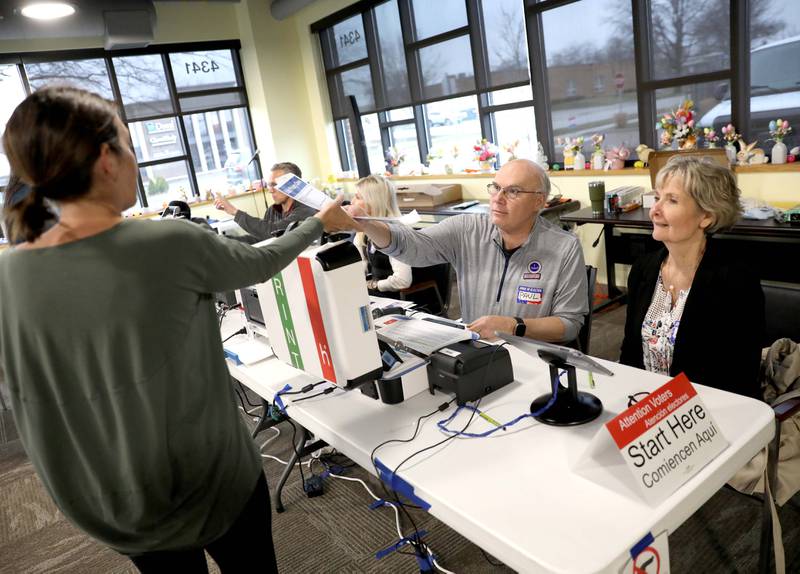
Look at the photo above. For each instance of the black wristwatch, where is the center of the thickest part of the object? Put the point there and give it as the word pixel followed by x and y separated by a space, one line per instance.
pixel 520 327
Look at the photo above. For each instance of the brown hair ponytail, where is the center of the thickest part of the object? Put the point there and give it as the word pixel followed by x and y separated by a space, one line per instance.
pixel 25 212
pixel 53 140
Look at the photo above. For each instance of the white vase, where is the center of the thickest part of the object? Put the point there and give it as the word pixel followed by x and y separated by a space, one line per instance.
pixel 598 160
pixel 730 151
pixel 779 152
pixel 579 160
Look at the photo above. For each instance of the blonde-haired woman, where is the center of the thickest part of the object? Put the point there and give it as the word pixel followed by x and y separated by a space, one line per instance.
pixel 376 197
pixel 691 307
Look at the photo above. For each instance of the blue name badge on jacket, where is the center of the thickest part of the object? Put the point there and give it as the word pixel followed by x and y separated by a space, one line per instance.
pixel 529 295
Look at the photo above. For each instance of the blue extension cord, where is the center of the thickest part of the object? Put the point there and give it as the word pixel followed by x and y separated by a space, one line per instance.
pixel 442 424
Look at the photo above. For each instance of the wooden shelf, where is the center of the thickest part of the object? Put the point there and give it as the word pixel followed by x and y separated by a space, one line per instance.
pixel 194 204
pixel 767 168
pixel 763 168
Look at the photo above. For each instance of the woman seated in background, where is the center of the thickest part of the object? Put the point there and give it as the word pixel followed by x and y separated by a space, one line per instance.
pixel 376 197
pixel 690 308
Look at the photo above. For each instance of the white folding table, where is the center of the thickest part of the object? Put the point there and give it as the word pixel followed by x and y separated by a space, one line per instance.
pixel 516 493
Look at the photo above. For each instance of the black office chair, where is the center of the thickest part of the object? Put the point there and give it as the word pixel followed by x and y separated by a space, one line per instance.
pixel 781 309
pixel 430 288
pixel 585 334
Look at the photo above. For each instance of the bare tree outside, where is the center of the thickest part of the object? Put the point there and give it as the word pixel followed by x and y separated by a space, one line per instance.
pixel 90 75
pixel 688 35
pixel 510 46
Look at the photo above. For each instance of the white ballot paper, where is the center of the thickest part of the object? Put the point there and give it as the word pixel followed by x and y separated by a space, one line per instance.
pixel 302 191
pixel 420 336
pixel 307 194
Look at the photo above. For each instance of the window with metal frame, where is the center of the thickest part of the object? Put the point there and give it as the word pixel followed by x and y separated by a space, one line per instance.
pixel 670 50
pixel 579 102
pixel 185 106
pixel 437 62
pixel 12 92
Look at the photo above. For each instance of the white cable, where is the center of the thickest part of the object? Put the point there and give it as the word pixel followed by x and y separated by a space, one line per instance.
pixel 250 412
pixel 372 494
pixel 272 438
pixel 396 516
pixel 283 462
pixel 275 458
pixel 436 564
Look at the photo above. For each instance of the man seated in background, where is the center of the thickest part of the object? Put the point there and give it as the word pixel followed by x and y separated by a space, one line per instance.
pixel 517 273
pixel 283 211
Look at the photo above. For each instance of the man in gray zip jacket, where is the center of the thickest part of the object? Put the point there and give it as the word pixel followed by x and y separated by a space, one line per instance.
pixel 517 273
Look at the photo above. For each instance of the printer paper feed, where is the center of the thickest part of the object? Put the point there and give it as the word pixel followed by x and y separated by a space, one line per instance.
pixel 421 336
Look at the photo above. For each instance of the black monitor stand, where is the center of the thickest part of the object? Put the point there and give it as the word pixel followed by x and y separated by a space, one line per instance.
pixel 571 407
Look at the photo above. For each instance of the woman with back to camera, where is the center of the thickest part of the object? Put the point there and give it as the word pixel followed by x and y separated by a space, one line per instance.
pixel 691 308
pixel 376 197
pixel 112 351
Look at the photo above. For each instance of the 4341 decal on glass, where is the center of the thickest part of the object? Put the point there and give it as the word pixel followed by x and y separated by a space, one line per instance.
pixel 201 67
pixel 350 38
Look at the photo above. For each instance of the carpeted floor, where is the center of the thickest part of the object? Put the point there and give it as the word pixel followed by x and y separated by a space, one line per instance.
pixel 337 532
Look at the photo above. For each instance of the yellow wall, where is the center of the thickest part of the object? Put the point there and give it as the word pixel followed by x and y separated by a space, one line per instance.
pixel 287 87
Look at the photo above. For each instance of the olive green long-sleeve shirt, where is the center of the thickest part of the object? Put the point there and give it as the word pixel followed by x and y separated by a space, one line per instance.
pixel 119 387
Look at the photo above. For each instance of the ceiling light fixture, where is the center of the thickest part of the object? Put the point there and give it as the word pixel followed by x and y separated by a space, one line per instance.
pixel 48 10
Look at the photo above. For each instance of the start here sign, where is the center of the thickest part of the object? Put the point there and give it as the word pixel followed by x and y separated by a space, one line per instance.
pixel 666 438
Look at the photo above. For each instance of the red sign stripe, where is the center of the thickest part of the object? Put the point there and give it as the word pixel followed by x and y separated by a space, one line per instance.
pixel 315 314
pixel 653 409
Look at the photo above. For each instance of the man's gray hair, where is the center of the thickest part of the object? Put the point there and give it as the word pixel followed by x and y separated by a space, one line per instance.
pixel 545 181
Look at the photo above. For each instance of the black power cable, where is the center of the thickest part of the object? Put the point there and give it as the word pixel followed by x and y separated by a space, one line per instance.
pixel 239 332
pixel 488 559
pixel 327 391
pixel 296 452
pixel 419 546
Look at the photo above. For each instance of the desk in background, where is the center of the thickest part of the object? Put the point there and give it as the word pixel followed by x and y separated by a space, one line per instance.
pixel 515 493
pixel 770 247
pixel 431 215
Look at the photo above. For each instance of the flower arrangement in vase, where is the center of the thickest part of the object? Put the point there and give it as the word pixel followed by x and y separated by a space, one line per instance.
pixel 730 136
pixel 579 160
pixel 679 126
pixel 616 156
pixel 541 157
pixel 435 159
pixel 394 157
pixel 598 155
pixel 779 129
pixel 485 154
pixel 511 150
pixel 573 156
pixel 711 137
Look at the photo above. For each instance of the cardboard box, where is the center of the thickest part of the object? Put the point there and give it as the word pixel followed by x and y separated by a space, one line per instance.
pixel 427 194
